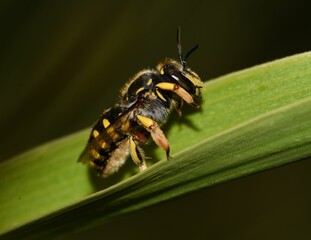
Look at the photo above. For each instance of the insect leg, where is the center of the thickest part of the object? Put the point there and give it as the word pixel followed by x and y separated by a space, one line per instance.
pixel 179 91
pixel 156 133
pixel 137 154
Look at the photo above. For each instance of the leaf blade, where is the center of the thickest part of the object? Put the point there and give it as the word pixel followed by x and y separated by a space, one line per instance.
pixel 233 102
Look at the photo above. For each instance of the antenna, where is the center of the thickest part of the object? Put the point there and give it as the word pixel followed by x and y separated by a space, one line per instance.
pixel 183 63
pixel 182 60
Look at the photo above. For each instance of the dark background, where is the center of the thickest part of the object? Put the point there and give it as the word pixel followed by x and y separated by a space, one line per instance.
pixel 63 62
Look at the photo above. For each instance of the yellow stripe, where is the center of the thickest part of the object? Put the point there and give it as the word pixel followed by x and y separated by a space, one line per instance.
pixel 95 154
pixel 133 151
pixel 106 122
pixel 95 133
pixel 160 96
pixel 139 90
pixel 166 86
pixel 126 126
pixel 145 121
pixel 104 145
pixel 149 82
pixel 112 133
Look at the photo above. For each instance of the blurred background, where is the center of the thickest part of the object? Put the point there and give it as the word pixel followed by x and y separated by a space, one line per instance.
pixel 63 62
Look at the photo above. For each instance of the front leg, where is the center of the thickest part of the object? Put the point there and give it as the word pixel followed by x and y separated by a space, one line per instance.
pixel 173 87
pixel 156 133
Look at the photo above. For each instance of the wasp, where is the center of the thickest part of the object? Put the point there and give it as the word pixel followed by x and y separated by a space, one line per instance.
pixel 145 104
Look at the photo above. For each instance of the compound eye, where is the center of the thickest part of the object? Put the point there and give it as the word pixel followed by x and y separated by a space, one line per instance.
pixel 175 78
pixel 180 78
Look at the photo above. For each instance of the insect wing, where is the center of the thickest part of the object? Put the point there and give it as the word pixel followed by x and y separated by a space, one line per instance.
pixel 107 136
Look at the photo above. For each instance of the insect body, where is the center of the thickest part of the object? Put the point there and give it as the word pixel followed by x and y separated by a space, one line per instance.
pixel 146 102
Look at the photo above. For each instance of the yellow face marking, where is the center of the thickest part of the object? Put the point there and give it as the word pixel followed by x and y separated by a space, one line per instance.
pixel 145 121
pixel 160 96
pixel 162 71
pixel 139 90
pixel 95 133
pixel 149 82
pixel 195 80
pixel 134 154
pixel 106 122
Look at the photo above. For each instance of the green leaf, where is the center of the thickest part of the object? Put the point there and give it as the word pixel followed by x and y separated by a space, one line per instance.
pixel 250 121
